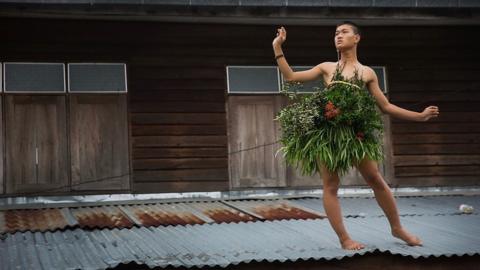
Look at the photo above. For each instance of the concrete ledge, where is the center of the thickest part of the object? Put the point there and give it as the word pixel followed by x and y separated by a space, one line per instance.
pixel 361 191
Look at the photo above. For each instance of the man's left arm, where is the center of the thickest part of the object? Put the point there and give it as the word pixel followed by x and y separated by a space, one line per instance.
pixel 383 103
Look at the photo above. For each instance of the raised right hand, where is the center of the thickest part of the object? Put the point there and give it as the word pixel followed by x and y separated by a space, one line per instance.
pixel 281 37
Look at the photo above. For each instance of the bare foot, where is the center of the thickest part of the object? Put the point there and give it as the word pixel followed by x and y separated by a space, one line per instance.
pixel 409 238
pixel 350 244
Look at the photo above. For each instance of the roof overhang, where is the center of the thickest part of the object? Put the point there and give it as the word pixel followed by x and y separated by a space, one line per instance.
pixel 257 12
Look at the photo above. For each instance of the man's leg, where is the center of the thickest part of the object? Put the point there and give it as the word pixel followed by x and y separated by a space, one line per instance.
pixel 332 208
pixel 369 170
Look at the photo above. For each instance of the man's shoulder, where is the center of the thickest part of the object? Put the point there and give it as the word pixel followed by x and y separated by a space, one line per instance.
pixel 368 68
pixel 369 73
pixel 325 66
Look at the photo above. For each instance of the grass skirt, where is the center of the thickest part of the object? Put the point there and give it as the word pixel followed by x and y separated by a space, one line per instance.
pixel 337 126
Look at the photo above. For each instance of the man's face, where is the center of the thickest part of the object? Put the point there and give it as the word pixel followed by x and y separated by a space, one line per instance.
pixel 345 37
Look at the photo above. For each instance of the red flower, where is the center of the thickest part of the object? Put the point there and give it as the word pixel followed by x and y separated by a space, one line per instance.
pixel 331 111
pixel 329 106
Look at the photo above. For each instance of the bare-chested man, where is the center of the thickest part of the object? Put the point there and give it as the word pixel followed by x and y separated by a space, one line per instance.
pixel 347 36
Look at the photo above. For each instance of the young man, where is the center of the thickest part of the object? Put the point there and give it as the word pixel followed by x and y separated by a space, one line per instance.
pixel 347 36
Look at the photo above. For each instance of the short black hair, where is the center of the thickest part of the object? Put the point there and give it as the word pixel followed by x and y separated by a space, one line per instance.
pixel 355 27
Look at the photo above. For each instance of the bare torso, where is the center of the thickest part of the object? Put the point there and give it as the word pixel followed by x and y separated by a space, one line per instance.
pixel 347 72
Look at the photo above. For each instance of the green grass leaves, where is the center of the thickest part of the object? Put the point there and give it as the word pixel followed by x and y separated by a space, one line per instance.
pixel 337 127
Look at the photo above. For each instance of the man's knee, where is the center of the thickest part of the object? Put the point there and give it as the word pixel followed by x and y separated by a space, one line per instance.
pixel 376 182
pixel 330 189
pixel 331 181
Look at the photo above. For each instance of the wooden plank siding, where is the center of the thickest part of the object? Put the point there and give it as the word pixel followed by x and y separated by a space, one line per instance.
pixel 36 143
pixel 250 122
pixel 177 90
pixel 99 142
pixel 445 150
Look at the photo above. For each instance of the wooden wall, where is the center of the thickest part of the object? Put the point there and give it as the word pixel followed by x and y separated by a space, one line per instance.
pixel 35 129
pixel 177 90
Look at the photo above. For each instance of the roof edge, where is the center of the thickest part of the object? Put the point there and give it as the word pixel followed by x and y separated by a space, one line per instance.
pixel 86 200
pixel 261 14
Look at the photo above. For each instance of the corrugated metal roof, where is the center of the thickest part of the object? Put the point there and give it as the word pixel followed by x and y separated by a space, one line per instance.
pixel 225 244
pixel 35 219
pixel 194 234
pixel 152 214
pixel 182 213
pixel 274 209
pixel 100 217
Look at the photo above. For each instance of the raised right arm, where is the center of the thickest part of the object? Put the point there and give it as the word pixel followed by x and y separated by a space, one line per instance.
pixel 297 76
pixel 288 74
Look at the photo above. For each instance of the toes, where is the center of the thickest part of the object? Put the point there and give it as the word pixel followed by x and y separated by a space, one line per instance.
pixel 419 242
pixel 354 246
pixel 359 246
pixel 416 242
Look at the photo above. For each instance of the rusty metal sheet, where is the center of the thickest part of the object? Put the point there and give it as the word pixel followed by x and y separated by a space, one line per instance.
pixel 274 209
pixel 152 214
pixel 35 220
pixel 183 214
pixel 220 212
pixel 101 217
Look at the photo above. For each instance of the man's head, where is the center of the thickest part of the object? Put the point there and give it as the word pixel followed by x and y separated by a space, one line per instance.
pixel 347 35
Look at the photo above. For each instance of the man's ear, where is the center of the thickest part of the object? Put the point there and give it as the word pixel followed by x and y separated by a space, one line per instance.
pixel 357 38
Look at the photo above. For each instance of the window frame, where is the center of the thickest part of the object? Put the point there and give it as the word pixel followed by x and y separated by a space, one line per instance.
pixel 384 71
pixel 252 92
pixel 4 83
pixel 98 63
pixel 280 78
pixel 301 92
